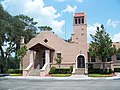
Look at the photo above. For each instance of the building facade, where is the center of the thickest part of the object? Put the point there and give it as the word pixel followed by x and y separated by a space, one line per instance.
pixel 46 46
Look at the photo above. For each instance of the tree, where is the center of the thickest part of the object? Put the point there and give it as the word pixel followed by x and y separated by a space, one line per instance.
pixel 58 60
pixel 11 30
pixel 118 51
pixel 5 27
pixel 101 46
pixel 43 28
pixel 20 54
pixel 30 29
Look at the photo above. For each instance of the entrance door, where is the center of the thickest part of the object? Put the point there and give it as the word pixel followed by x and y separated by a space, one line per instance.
pixel 80 62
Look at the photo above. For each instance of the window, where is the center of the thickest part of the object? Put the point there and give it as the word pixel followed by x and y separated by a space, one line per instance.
pixel 82 20
pixel 93 59
pixel 79 21
pixel 45 40
pixel 118 56
pixel 109 59
pixel 75 20
pixel 58 55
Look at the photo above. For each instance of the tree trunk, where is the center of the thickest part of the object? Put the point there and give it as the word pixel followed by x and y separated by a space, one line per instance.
pixel 1 69
pixel 59 69
pixel 20 65
pixel 2 60
pixel 103 65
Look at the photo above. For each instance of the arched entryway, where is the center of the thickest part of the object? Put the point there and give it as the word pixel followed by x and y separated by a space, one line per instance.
pixel 80 61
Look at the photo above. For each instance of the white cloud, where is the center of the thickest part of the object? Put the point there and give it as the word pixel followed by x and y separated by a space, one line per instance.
pixel 116 37
pixel 113 23
pixel 45 15
pixel 80 1
pixel 69 9
pixel 60 0
pixel 91 29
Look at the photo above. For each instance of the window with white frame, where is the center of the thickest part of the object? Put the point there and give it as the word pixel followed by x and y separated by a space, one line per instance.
pixel 58 55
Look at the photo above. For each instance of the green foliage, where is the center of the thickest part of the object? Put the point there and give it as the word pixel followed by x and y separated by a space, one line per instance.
pixel 11 30
pixel 43 28
pixel 12 71
pixel 90 68
pixel 6 25
pixel 118 50
pixel 52 70
pixel 15 74
pixel 61 75
pixel 21 52
pixel 71 69
pixel 99 75
pixel 116 69
pixel 30 29
pixel 55 70
pixel 58 60
pixel 62 71
pixel 101 45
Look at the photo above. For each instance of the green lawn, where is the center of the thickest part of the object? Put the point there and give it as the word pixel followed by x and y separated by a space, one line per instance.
pixel 61 75
pixel 15 74
pixel 99 75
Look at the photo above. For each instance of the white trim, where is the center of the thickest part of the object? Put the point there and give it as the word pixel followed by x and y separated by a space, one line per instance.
pixel 47 56
pixel 31 56
pixel 29 66
pixel 84 61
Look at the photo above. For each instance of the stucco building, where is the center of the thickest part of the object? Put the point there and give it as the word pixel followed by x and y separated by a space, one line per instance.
pixel 46 46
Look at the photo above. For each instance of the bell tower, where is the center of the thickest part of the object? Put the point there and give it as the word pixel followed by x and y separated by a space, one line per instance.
pixel 79 35
pixel 79 39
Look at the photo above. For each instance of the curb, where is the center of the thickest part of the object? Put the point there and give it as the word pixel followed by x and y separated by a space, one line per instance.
pixel 57 78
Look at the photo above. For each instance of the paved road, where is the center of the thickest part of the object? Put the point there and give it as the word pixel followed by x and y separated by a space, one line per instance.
pixel 16 84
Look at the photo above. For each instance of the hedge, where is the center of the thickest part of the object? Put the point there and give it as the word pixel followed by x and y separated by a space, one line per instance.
pixel 116 69
pixel 12 71
pixel 55 70
pixel 92 70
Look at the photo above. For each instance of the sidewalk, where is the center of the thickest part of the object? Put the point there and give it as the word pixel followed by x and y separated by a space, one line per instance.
pixel 73 77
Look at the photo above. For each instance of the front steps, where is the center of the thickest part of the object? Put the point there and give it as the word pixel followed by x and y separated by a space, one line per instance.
pixel 35 72
pixel 79 71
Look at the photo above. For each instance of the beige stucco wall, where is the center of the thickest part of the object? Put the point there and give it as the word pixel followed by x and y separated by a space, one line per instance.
pixel 69 51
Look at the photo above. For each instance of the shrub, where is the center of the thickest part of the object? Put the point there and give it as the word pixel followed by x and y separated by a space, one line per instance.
pixel 17 71
pixel 100 71
pixel 12 71
pixel 71 69
pixel 90 68
pixel 107 71
pixel 52 70
pixel 116 69
pixel 63 71
pixel 55 70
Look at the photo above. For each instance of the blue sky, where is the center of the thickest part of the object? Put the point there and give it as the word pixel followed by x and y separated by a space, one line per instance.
pixel 58 14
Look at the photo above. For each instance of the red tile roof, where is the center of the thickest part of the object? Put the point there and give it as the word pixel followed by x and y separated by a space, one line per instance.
pixel 79 14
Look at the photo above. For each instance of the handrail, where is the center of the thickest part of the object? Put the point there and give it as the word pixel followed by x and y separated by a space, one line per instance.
pixel 29 66
pixel 44 67
pixel 28 69
pixel 45 70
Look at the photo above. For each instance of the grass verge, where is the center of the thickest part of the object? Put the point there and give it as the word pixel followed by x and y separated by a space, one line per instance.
pixel 15 74
pixel 60 75
pixel 100 75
